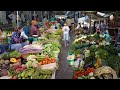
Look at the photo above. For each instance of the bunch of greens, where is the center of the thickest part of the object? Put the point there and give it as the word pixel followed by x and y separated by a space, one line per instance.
pixel 114 62
pixel 101 53
pixel 15 54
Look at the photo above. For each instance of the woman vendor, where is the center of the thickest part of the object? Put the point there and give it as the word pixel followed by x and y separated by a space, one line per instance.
pixel 18 39
pixel 34 30
pixel 3 47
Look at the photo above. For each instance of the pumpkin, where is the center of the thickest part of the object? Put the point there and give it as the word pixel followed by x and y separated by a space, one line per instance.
pixel 13 60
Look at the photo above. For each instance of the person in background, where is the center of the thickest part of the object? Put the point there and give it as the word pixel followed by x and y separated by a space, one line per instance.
pixel 72 24
pixel 14 18
pixel 22 18
pixel 37 18
pixel 97 27
pixel 68 22
pixel 19 20
pixel 47 23
pixel 61 22
pixel 78 26
pixel 3 46
pixel 52 19
pixel 66 37
pixel 94 28
pixel 107 36
pixel 101 27
pixel 44 22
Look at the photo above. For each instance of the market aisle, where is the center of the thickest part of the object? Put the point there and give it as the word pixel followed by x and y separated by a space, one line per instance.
pixel 64 71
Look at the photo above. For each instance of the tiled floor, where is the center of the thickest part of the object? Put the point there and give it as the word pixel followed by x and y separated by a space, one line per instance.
pixel 65 71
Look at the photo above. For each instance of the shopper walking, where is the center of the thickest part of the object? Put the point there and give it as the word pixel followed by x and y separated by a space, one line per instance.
pixel 22 18
pixel 66 36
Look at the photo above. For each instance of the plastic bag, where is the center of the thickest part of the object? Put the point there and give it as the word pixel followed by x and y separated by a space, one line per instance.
pixel 50 66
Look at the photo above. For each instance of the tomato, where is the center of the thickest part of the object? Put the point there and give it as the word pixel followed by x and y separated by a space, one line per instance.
pixel 75 77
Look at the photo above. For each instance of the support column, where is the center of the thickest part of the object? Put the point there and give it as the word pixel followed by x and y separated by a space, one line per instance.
pixel 3 17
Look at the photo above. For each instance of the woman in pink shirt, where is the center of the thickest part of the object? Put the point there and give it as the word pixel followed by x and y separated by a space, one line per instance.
pixel 34 30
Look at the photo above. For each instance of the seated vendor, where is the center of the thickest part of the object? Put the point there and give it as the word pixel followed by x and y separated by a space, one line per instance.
pixel 3 46
pixel 34 30
pixel 26 29
pixel 18 39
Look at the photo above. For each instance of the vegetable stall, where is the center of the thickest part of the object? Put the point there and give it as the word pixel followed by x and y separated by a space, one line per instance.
pixel 94 57
pixel 35 61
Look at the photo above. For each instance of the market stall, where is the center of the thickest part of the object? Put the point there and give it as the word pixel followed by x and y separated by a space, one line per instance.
pixel 35 61
pixel 93 57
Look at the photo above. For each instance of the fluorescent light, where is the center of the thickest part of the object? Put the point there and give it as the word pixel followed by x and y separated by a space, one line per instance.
pixel 101 14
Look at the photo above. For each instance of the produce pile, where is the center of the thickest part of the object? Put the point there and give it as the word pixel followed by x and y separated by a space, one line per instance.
pixel 33 48
pixel 93 51
pixel 35 61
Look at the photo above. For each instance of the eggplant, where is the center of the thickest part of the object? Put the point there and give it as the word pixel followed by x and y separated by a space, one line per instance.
pixel 87 65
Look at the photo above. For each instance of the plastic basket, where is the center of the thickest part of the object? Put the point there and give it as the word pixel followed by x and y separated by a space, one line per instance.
pixel 35 39
pixel 71 62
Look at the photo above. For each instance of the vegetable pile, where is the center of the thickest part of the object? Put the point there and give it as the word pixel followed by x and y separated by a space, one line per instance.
pixel 34 61
pixel 96 52
pixel 84 73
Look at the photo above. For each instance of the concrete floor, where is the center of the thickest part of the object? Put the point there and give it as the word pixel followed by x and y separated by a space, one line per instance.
pixel 65 71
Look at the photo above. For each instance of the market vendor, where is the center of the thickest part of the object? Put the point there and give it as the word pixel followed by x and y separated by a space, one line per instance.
pixel 107 36
pixel 34 30
pixel 26 29
pixel 3 46
pixel 18 39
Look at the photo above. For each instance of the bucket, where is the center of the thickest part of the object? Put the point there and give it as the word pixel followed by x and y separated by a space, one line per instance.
pixel 71 62
pixel 70 53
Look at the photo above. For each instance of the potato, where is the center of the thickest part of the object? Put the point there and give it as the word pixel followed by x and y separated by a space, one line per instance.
pixel 2 61
pixel 7 62
pixel 3 65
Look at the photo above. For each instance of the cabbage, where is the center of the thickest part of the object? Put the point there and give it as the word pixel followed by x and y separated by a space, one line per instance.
pixel 29 64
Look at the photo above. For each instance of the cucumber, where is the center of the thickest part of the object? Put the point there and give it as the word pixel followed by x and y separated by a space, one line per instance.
pixel 49 76
pixel 45 76
pixel 23 74
pixel 31 72
pixel 40 77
